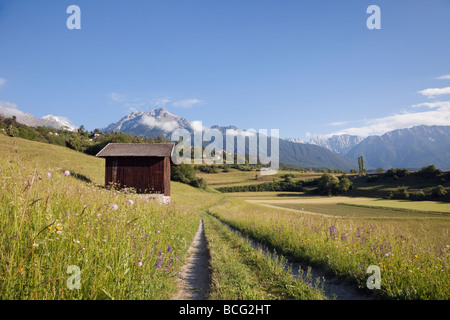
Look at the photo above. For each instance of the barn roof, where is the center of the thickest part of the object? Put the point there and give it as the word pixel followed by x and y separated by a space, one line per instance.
pixel 137 150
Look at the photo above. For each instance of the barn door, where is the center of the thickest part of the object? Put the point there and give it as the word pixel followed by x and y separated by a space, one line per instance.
pixel 114 166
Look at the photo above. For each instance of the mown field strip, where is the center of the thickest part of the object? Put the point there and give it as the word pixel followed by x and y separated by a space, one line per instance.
pixel 333 287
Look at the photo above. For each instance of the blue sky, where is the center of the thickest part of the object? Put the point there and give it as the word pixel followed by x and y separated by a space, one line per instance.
pixel 304 67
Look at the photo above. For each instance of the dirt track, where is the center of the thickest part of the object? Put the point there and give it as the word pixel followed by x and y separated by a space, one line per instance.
pixel 194 275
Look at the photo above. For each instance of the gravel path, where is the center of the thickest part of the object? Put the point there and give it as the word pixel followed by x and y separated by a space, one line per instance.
pixel 194 275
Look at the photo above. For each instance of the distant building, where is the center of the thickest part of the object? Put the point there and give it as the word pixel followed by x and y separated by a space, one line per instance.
pixel 142 166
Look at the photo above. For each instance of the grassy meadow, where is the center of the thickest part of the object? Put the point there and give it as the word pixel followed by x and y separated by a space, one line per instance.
pixel 127 246
pixel 411 248
pixel 55 213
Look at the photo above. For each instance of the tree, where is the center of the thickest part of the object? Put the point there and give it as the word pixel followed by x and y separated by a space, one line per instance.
pixel 380 170
pixel 438 191
pixel 344 184
pixel 328 184
pixel 429 171
pixel 361 165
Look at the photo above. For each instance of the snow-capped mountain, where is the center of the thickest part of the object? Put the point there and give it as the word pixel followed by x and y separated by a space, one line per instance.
pixel 340 144
pixel 149 123
pixel 59 122
pixel 160 121
pixel 406 148
pixel 295 140
pixel 8 110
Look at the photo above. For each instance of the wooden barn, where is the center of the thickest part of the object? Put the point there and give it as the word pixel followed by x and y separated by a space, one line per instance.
pixel 142 166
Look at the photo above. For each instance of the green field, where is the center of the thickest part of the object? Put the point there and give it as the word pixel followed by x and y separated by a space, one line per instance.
pixel 241 178
pixel 358 210
pixel 411 206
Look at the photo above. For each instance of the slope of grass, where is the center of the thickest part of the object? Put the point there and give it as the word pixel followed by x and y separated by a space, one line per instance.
pixel 44 157
pixel 126 246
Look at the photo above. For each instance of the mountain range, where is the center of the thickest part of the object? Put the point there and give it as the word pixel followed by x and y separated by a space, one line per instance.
pixel 402 148
pixel 28 119
pixel 406 148
pixel 162 122
pixel 340 144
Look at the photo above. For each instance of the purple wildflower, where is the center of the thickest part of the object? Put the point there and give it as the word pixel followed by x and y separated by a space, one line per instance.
pixel 114 207
pixel 159 262
pixel 333 231
pixel 67 173
pixel 49 175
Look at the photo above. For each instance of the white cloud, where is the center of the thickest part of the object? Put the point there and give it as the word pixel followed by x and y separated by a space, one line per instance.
pixel 444 77
pixel 430 105
pixel 2 82
pixel 439 115
pixel 240 132
pixel 161 102
pixel 338 123
pixel 187 103
pixel 198 126
pixel 432 92
pixel 152 122
pixel 116 97
pixel 8 109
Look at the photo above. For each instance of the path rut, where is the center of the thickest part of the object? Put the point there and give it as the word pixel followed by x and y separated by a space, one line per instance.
pixel 194 276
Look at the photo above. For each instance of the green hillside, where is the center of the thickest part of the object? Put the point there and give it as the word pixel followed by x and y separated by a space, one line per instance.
pixel 127 246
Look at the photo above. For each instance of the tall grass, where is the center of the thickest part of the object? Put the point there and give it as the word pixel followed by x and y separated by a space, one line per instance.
pixel 239 272
pixel 412 267
pixel 127 246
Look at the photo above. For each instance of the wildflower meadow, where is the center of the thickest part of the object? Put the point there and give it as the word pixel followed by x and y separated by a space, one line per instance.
pixel 123 245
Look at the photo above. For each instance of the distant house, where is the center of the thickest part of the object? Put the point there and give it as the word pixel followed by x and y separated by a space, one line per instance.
pixel 142 166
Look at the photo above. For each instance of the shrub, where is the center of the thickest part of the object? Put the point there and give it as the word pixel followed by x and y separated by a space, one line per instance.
pixel 396 173
pixel 438 191
pixel 207 169
pixel 328 184
pixel 418 195
pixel 344 184
pixel 401 193
pixel 429 171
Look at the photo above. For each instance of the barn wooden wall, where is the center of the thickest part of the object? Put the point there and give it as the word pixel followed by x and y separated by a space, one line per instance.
pixel 145 174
